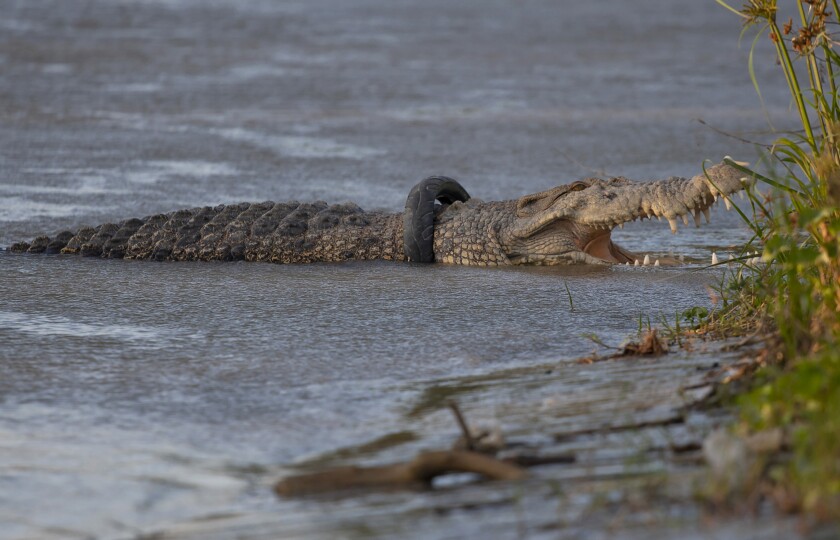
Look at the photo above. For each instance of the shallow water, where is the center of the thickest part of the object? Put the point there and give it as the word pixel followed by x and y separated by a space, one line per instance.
pixel 135 395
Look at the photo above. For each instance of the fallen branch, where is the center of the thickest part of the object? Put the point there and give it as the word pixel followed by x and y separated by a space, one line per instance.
pixel 419 471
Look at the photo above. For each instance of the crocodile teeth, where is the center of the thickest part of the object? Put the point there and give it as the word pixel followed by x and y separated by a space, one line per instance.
pixel 621 225
pixel 636 263
pixel 646 262
pixel 697 218
pixel 685 220
pixel 707 215
pixel 656 263
pixel 714 258
pixel 673 223
pixel 727 203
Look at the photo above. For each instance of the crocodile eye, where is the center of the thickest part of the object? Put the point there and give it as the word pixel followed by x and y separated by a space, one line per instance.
pixel 578 187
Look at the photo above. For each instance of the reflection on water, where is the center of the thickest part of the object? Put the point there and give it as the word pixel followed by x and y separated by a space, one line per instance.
pixel 136 395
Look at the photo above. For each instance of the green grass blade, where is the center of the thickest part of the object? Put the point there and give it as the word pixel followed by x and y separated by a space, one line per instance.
pixel 761 177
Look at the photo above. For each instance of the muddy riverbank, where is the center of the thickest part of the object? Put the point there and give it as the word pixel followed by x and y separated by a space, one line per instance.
pixel 627 445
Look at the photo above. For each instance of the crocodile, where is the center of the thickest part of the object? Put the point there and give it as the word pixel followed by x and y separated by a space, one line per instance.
pixel 568 224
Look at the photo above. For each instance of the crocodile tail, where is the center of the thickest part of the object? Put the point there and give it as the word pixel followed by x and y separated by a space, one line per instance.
pixel 419 216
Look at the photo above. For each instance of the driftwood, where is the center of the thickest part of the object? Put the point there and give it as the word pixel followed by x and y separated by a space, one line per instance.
pixel 419 471
pixel 473 453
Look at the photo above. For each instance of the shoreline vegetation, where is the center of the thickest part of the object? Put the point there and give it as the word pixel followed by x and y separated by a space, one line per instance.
pixel 793 295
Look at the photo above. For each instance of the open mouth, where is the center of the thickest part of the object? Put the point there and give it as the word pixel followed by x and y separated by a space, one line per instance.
pixel 595 242
pixel 602 247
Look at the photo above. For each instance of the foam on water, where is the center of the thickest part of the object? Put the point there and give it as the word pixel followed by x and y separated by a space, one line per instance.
pixel 56 325
pixel 138 88
pixel 257 71
pixel 19 209
pixel 299 146
pixel 152 172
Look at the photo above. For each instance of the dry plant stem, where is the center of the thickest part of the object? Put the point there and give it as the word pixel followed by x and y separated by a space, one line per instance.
pixel 650 345
pixel 462 423
pixel 793 83
pixel 419 471
pixel 814 77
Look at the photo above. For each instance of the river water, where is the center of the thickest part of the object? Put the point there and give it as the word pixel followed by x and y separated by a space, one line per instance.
pixel 137 396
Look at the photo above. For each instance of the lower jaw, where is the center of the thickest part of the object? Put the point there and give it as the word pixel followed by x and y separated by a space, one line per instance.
pixel 615 254
pixel 607 255
pixel 619 255
pixel 609 252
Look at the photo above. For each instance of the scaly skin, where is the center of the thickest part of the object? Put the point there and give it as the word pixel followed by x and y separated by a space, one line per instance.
pixel 564 225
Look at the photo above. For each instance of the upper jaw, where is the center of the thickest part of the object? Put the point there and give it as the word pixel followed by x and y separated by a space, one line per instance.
pixel 674 199
pixel 573 256
pixel 608 203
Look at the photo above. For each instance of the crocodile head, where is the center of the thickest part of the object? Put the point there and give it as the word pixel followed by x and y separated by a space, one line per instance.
pixel 573 223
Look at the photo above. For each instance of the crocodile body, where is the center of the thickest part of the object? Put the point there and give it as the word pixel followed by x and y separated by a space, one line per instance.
pixel 567 224
pixel 288 232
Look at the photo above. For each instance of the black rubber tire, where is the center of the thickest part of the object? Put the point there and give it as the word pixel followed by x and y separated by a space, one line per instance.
pixel 419 216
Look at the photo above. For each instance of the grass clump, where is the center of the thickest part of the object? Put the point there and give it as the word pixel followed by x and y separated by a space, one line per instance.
pixel 794 293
